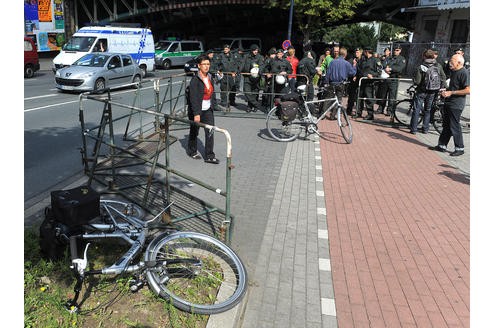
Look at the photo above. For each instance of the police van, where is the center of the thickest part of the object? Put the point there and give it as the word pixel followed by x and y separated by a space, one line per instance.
pixel 174 52
pixel 137 42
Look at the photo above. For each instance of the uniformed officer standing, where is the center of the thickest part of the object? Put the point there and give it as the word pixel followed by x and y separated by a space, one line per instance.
pixel 252 64
pixel 279 66
pixel 228 66
pixel 394 68
pixel 267 98
pixel 371 67
pixel 307 67
pixel 353 85
pixel 382 91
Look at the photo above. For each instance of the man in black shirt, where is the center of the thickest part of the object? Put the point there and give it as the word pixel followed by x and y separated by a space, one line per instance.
pixel 455 100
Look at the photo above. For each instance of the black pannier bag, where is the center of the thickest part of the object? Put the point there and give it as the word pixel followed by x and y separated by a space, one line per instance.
pixel 293 96
pixel 288 110
pixel 76 206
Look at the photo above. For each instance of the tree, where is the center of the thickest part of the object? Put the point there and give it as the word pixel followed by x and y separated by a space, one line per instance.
pixel 390 32
pixel 311 15
pixel 352 36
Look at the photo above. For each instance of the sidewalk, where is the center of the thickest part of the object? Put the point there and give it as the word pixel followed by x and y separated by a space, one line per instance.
pixel 395 219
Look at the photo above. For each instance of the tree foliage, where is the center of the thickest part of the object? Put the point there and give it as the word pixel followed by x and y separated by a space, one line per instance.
pixel 352 36
pixel 310 15
pixel 390 32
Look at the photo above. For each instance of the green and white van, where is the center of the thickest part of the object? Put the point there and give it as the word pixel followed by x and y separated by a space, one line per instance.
pixel 170 53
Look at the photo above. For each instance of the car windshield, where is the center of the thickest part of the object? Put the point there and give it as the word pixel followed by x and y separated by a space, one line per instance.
pixel 79 43
pixel 162 45
pixel 92 60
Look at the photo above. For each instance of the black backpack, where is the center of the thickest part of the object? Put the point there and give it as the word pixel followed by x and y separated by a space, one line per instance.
pixel 432 81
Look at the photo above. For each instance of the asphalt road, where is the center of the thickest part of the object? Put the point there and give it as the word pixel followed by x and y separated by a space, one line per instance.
pixel 52 131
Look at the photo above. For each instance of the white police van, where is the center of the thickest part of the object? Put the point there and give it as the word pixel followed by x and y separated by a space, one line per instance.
pixel 137 42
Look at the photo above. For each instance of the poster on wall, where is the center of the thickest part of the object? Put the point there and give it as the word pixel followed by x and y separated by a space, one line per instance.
pixel 31 21
pixel 45 10
pixel 44 21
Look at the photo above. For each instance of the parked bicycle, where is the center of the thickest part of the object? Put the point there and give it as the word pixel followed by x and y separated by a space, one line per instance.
pixel 195 272
pixel 405 107
pixel 293 115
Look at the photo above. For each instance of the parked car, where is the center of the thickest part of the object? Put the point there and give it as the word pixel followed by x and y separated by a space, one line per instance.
pixel 191 65
pixel 31 60
pixel 170 53
pixel 97 71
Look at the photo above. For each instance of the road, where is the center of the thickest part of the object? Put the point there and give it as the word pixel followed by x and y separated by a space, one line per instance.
pixel 52 132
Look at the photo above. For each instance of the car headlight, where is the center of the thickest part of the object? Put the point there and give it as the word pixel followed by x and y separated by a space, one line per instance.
pixel 186 65
pixel 57 73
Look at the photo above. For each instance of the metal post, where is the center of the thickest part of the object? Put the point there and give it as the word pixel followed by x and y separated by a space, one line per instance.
pixel 289 33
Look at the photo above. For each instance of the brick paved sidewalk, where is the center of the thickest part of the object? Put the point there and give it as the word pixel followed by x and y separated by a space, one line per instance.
pixel 398 221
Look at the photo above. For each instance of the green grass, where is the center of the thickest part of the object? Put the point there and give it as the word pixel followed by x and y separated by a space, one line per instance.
pixel 108 301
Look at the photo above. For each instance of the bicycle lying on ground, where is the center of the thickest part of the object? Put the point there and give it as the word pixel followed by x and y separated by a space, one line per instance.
pixel 292 116
pixel 405 107
pixel 195 272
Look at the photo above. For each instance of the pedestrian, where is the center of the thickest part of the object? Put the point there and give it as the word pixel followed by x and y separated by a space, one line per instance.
pixel 279 69
pixel 429 78
pixel 267 98
pixel 370 68
pixel 307 71
pixel 382 93
pixel 354 83
pixel 229 67
pixel 337 74
pixel 200 109
pixel 252 64
pixel 214 62
pixel 394 68
pixel 294 62
pixel 455 100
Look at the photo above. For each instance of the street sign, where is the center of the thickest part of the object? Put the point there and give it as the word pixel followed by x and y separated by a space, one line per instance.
pixel 286 44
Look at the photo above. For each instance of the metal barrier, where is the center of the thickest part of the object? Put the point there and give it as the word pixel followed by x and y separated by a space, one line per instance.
pixel 376 79
pixel 121 165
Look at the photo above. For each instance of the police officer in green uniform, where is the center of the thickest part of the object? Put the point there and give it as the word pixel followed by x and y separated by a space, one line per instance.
pixel 394 67
pixel 253 65
pixel 370 67
pixel 228 66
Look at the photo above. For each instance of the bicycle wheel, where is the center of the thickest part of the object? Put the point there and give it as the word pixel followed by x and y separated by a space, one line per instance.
pixel 195 272
pixel 282 130
pixel 119 208
pixel 403 111
pixel 344 124
pixel 437 119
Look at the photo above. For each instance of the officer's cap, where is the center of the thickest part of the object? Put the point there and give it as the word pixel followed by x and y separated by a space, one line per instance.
pixel 272 51
pixel 226 46
pixel 368 48
pixel 358 49
pixel 209 51
pixel 280 50
pixel 458 49
pixel 397 46
pixel 254 47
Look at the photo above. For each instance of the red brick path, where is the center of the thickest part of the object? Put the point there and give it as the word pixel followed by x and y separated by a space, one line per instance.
pixel 398 220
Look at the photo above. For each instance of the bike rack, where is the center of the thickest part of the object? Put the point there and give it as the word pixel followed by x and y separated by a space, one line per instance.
pixel 128 167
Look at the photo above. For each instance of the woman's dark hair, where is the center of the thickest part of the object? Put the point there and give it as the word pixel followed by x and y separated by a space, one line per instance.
pixel 202 58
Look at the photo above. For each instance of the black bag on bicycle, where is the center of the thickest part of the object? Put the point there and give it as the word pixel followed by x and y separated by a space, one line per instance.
pixel 288 110
pixel 293 96
pixel 76 206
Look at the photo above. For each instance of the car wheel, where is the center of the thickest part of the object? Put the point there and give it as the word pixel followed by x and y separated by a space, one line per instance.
pixel 100 84
pixel 136 79
pixel 143 70
pixel 28 71
pixel 166 64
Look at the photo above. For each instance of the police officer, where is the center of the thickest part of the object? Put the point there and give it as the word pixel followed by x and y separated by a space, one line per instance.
pixel 268 87
pixel 382 85
pixel 229 67
pixel 253 65
pixel 394 68
pixel 354 82
pixel 370 67
pixel 307 67
pixel 279 67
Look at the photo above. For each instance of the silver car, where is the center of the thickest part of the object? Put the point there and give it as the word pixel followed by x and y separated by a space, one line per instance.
pixel 97 71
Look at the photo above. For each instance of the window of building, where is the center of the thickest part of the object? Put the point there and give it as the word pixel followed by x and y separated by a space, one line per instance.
pixel 460 29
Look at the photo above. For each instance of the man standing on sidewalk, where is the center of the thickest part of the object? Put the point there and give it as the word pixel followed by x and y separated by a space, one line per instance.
pixel 455 100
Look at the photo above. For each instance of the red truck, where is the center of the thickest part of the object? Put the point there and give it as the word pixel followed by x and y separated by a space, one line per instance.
pixel 31 60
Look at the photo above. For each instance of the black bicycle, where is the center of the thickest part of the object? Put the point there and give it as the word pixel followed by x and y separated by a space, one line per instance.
pixel 405 107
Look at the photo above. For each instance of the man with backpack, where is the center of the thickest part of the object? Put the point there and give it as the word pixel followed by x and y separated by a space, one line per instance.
pixel 429 78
